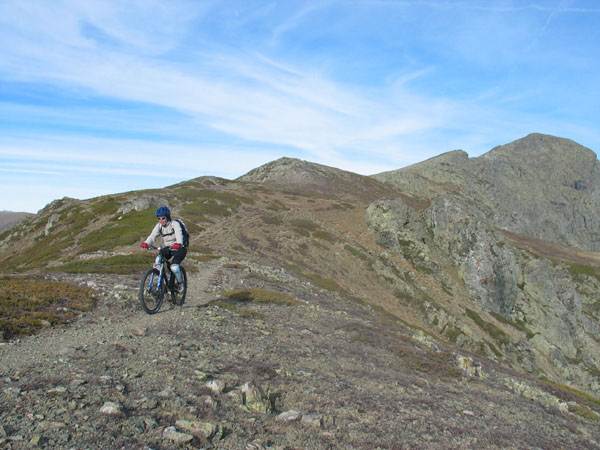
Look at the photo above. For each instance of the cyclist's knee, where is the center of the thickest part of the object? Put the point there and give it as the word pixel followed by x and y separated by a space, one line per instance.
pixel 177 271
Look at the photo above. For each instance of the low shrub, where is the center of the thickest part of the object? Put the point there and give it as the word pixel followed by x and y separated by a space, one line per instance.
pixel 27 304
pixel 260 296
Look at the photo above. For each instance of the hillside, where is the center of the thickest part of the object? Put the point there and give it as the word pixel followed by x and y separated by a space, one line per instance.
pixel 393 311
pixel 9 219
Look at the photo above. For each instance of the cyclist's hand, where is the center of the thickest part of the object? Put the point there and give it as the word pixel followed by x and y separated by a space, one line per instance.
pixel 144 245
pixel 176 246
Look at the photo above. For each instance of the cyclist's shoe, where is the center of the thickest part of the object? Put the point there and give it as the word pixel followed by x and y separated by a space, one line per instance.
pixel 178 288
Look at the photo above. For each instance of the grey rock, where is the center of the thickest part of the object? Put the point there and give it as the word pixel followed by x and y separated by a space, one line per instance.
pixel 175 436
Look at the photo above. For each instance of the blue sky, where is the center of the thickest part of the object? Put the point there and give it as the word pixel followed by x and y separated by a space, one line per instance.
pixel 100 97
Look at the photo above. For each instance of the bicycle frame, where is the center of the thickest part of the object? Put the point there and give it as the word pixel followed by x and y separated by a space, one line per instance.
pixel 164 264
pixel 160 281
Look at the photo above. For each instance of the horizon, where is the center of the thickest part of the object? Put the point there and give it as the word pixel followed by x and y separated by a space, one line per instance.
pixel 98 99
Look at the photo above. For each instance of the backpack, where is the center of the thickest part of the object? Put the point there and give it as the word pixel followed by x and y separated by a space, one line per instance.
pixel 186 233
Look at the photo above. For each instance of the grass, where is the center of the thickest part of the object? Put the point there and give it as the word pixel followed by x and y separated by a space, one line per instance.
pixel 27 304
pixel 305 224
pixel 129 229
pixel 120 264
pixel 36 256
pixel 519 325
pixel 212 203
pixel 358 254
pixel 491 329
pixel 272 220
pixel 326 236
pixel 260 296
pixel 581 270
pixel 572 390
pixel 325 283
pixel 246 313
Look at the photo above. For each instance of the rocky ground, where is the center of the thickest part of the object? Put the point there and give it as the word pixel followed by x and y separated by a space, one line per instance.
pixel 325 373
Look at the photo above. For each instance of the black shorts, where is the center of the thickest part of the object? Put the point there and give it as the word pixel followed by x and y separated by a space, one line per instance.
pixel 178 255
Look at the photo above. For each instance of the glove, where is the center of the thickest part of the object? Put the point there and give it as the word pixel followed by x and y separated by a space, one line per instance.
pixel 176 246
pixel 144 245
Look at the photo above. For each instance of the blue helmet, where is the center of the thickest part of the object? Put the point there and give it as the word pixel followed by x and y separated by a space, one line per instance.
pixel 163 211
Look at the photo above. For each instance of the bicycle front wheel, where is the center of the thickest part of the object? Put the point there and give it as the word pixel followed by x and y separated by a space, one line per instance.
pixel 151 294
pixel 179 289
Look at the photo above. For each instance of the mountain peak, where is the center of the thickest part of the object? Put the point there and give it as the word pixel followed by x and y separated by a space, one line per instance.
pixel 536 148
pixel 295 173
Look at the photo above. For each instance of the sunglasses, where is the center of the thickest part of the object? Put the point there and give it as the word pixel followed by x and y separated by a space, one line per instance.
pixel 162 218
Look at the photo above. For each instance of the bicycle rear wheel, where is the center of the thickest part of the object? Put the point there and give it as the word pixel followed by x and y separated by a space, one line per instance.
pixel 151 294
pixel 179 289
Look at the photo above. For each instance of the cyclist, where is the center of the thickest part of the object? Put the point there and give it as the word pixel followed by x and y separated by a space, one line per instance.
pixel 172 235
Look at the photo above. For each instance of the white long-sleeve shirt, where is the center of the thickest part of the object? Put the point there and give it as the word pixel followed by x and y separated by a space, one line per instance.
pixel 171 234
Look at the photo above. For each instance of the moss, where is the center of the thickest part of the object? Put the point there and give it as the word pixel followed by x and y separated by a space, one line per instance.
pixel 26 304
pixel 260 296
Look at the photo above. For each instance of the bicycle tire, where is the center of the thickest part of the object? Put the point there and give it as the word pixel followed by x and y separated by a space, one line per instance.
pixel 151 297
pixel 178 298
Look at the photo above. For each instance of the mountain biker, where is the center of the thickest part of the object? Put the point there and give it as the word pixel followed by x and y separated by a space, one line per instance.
pixel 172 235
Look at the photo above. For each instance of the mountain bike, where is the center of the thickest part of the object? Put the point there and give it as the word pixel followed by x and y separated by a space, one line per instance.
pixel 160 281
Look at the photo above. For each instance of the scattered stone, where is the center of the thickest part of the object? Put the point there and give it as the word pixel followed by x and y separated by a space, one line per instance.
pixel 466 364
pixel 201 430
pixel 209 401
pixel 288 416
pixel 35 440
pixel 201 375
pixel 150 422
pixel 172 434
pixel 217 386
pixel 58 390
pixel 136 331
pixel 255 399
pixel 312 420
pixel 111 409
pixel 48 425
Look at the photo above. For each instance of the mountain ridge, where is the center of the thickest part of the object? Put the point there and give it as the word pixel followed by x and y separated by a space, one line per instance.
pixel 413 274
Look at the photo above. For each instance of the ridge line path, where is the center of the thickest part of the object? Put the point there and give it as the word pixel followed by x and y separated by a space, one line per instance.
pixel 116 314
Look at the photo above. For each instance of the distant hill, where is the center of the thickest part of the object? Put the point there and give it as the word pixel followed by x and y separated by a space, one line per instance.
pixel 428 299
pixel 9 219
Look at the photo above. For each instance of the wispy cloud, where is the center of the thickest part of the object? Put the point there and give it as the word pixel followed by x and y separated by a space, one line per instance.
pixel 385 84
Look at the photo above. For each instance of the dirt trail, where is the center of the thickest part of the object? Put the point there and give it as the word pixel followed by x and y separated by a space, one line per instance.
pixel 109 321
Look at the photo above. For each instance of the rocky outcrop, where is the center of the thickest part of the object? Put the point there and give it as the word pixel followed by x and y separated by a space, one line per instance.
pixel 543 307
pixel 539 186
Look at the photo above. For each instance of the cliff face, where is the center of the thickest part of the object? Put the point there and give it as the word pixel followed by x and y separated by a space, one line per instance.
pixel 539 186
pixel 514 227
